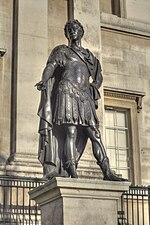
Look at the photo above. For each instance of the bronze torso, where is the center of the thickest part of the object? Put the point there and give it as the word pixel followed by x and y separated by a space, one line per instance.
pixel 76 71
pixel 73 103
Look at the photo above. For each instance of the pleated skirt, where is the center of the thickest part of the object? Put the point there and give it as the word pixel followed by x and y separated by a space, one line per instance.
pixel 74 106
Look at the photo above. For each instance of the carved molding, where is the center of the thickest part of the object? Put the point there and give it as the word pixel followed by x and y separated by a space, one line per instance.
pixel 118 95
pixel 124 94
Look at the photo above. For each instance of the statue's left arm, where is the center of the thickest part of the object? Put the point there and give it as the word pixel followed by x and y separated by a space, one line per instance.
pixel 97 77
pixel 97 81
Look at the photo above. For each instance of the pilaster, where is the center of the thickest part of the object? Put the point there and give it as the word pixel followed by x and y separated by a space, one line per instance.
pixel 31 58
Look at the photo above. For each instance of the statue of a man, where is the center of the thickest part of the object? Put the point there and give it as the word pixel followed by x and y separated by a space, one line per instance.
pixel 68 108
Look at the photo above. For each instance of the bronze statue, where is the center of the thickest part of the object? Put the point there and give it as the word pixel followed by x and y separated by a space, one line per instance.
pixel 68 108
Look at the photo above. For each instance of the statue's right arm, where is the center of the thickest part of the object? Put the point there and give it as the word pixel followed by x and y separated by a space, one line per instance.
pixel 55 59
pixel 47 74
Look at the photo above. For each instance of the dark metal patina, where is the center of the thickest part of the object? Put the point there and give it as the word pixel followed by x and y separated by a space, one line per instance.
pixel 68 108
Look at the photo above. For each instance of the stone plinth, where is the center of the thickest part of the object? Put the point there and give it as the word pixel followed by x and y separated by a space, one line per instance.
pixel 67 201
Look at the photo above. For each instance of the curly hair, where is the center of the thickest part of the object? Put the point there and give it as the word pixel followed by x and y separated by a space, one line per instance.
pixel 69 24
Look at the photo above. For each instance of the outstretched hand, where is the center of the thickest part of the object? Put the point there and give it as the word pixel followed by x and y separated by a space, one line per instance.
pixel 41 86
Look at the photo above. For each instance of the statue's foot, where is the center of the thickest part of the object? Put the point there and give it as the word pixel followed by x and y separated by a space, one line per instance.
pixel 108 174
pixel 112 177
pixel 49 176
pixel 71 168
pixel 74 175
pixel 72 171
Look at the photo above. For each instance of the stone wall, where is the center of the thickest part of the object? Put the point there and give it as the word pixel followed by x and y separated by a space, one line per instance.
pixel 138 10
pixel 57 17
pixel 6 9
pixel 126 65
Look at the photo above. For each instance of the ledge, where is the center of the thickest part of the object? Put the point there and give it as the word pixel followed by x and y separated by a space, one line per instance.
pixel 109 21
pixel 77 187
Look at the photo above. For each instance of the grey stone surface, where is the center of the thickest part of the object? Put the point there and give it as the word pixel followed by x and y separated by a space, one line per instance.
pixel 32 54
pixel 39 24
pixel 126 65
pixel 79 201
pixel 5 78
pixel 138 10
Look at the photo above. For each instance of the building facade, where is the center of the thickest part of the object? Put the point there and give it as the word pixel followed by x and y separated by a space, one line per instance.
pixel 118 33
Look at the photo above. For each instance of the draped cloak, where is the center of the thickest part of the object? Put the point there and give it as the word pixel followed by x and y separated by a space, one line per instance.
pixel 52 136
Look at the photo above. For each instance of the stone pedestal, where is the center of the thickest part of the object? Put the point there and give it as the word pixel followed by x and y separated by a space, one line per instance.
pixel 67 201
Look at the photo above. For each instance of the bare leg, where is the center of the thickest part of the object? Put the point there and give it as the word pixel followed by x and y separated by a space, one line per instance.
pixel 97 145
pixel 101 156
pixel 70 148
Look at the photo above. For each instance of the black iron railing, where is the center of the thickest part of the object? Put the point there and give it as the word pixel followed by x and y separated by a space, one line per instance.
pixel 17 209
pixel 135 206
pixel 15 206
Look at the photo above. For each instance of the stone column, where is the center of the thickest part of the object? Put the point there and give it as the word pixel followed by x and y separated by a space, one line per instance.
pixel 31 58
pixel 5 79
pixel 88 13
pixel 79 201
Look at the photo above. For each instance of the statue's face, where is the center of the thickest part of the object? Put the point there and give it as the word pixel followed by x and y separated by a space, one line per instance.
pixel 74 32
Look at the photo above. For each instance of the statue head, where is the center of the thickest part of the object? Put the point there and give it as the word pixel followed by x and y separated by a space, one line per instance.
pixel 70 24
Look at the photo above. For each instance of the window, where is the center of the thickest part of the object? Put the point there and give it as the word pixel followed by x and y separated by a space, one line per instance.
pixel 117 133
pixel 121 132
pixel 115 7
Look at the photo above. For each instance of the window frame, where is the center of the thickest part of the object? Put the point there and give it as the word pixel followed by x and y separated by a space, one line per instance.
pixel 116 10
pixel 128 102
pixel 119 10
pixel 127 129
pixel 116 7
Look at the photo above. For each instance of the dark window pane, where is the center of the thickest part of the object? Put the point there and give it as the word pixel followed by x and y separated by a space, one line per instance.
pixel 115 4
